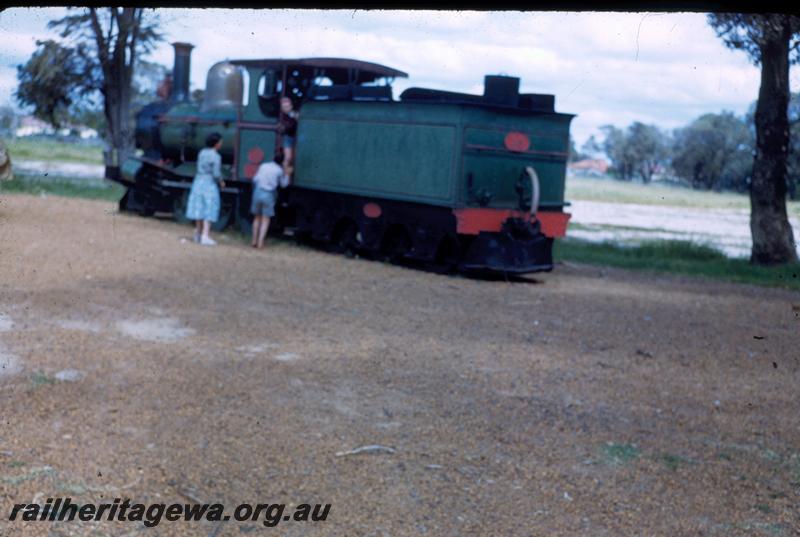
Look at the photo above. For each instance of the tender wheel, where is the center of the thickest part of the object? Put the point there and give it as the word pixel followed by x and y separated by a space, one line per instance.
pixel 395 245
pixel 345 239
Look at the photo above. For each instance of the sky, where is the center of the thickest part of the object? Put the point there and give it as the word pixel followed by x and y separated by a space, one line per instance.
pixel 607 68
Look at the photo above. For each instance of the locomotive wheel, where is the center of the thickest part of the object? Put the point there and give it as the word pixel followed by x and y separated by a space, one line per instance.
pixel 123 202
pixel 395 245
pixel 136 202
pixel 344 239
pixel 179 203
pixel 448 256
pixel 225 215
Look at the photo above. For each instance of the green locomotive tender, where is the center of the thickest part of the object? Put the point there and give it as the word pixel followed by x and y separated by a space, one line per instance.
pixel 465 182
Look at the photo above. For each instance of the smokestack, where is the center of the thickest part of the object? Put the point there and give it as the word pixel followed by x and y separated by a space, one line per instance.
pixel 180 72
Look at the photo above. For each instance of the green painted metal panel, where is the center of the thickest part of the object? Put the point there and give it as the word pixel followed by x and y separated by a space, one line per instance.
pixel 541 140
pixel 253 142
pixel 378 151
pixel 499 175
pixel 497 169
pixel 424 152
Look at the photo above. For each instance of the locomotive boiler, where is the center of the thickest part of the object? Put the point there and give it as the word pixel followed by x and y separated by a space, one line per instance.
pixel 459 181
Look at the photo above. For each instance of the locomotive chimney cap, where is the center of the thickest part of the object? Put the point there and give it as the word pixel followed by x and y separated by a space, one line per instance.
pixel 181 46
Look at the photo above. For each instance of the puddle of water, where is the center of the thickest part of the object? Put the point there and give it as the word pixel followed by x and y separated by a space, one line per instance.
pixel 165 329
pixel 259 348
pixel 9 363
pixel 69 375
pixel 82 326
pixel 78 170
pixel 727 230
pixel 6 323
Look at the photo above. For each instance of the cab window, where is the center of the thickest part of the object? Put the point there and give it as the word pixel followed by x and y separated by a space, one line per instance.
pixel 269 93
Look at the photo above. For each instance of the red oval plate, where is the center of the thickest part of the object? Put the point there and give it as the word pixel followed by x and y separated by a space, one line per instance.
pixel 517 141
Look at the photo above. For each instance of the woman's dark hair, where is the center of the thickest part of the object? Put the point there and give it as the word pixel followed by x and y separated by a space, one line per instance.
pixel 278 158
pixel 213 139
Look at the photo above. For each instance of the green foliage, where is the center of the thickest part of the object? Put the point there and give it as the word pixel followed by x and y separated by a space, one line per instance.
pixel 715 152
pixel 772 41
pixel 198 94
pixel 53 79
pixel 574 154
pixel 620 453
pixel 40 379
pixel 98 58
pixel 673 462
pixel 638 150
pixel 7 118
pixel 749 31
pixel 145 83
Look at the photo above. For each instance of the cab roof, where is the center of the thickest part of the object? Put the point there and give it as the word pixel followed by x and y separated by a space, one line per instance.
pixel 367 71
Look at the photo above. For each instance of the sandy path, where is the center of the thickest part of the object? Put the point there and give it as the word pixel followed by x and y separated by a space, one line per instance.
pixel 594 402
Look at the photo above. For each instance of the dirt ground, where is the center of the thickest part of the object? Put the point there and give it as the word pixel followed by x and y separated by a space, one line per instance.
pixel 586 401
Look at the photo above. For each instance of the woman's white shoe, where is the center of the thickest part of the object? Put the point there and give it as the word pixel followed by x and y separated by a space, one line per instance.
pixel 207 241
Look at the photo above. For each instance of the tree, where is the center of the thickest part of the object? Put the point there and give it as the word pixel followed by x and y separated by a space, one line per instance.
pixel 54 80
pixel 793 159
pixel 638 150
pixel 648 146
pixel 106 46
pixel 145 84
pixel 591 146
pixel 715 152
pixel 198 94
pixel 574 154
pixel 8 119
pixel 615 144
pixel 772 41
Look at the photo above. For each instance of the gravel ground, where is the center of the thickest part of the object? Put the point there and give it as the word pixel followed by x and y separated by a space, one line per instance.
pixel 581 402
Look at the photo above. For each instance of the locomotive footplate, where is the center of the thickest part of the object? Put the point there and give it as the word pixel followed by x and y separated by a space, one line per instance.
pixel 519 247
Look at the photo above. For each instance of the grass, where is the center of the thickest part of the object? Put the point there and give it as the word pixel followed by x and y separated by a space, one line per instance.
pixel 673 462
pixel 620 453
pixel 62 186
pixel 30 148
pixel 41 379
pixel 614 191
pixel 677 257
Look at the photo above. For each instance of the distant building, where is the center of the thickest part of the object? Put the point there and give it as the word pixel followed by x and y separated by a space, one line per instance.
pixel 33 126
pixel 84 132
pixel 591 166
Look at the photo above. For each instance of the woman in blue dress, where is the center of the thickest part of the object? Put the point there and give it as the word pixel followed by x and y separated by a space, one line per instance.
pixel 204 201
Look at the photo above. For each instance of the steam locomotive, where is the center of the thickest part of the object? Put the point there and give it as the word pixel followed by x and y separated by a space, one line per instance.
pixel 463 182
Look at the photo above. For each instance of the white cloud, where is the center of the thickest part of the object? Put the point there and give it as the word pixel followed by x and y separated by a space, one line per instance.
pixel 662 68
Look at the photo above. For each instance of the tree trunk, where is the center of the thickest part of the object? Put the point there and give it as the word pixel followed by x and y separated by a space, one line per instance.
pixel 773 241
pixel 116 86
